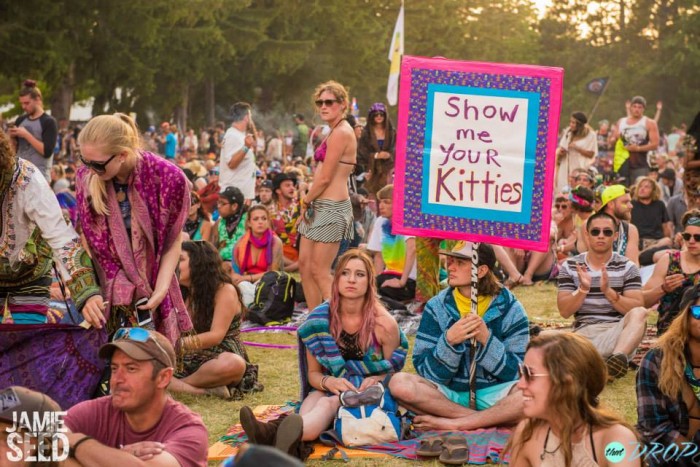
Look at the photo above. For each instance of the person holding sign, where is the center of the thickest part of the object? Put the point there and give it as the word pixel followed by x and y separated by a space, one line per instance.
pixel 441 356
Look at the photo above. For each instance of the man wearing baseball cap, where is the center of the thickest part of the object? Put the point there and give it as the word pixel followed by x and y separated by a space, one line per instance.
pixel 265 195
pixel 617 203
pixel 639 135
pixel 139 419
pixel 443 353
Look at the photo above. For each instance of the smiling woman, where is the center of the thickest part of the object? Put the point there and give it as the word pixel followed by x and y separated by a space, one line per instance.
pixel 133 206
pixel 561 379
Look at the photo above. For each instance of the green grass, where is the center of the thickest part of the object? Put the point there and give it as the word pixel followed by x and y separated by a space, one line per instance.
pixel 280 374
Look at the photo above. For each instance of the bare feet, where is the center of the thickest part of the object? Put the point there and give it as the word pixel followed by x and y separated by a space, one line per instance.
pixel 429 422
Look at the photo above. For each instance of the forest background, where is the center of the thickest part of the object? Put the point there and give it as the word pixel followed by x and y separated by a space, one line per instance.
pixel 188 60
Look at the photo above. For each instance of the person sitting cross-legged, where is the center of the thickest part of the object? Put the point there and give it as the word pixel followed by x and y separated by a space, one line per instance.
pixel 602 290
pixel 442 353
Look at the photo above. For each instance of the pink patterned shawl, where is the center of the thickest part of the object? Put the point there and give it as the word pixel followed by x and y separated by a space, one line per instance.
pixel 159 195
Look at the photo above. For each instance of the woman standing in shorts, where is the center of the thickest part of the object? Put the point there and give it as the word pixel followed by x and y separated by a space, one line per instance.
pixel 326 212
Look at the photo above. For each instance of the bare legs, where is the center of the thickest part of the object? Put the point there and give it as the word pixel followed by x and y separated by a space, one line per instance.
pixel 318 411
pixel 315 260
pixel 227 369
pixel 422 397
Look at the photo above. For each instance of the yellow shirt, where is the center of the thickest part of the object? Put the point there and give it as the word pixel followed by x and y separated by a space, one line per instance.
pixel 464 304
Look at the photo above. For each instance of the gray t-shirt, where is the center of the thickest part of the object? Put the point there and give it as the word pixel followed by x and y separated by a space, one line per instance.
pixel 43 129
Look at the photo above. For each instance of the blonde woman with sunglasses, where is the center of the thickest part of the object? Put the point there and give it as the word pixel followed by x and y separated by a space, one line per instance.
pixel 561 379
pixel 133 205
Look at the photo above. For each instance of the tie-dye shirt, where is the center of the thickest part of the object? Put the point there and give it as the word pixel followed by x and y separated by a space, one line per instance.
pixel 392 247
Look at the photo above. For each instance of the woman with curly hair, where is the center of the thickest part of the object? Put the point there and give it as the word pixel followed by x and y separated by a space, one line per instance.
pixel 561 379
pixel 215 362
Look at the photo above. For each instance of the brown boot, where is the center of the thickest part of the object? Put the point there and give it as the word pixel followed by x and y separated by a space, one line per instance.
pixel 259 432
pixel 289 435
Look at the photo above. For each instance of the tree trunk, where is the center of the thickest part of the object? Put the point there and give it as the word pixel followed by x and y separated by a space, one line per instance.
pixel 62 98
pixel 181 110
pixel 209 113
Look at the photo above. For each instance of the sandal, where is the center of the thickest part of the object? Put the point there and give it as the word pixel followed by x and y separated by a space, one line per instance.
pixel 455 451
pixel 430 446
pixel 511 283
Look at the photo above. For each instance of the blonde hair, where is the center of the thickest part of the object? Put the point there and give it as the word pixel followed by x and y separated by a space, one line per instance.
pixel 113 134
pixel 335 88
pixel 7 153
pixel 672 345
pixel 578 375
pixel 655 188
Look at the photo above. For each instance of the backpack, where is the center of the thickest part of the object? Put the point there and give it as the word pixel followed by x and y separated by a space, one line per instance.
pixel 274 299
pixel 369 424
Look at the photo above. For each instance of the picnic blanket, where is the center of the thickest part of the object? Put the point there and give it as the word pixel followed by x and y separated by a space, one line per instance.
pixel 484 445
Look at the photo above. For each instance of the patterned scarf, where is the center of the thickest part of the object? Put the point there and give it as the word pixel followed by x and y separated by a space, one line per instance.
pixel 315 336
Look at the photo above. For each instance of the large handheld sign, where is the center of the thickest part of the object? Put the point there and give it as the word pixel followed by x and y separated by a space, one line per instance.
pixel 475 151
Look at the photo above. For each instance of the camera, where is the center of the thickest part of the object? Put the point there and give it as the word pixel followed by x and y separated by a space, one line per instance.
pixel 143 317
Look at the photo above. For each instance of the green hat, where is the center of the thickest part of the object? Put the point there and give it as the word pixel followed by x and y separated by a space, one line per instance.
pixel 612 192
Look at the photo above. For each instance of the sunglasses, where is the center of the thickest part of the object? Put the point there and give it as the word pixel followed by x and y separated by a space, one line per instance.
pixel 687 236
pixel 98 167
pixel 526 373
pixel 562 206
pixel 595 231
pixel 695 311
pixel 141 335
pixel 327 102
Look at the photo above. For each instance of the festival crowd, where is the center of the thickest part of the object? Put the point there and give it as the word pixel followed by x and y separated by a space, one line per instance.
pixel 160 244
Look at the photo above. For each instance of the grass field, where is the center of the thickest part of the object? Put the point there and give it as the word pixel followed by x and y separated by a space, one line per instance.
pixel 279 374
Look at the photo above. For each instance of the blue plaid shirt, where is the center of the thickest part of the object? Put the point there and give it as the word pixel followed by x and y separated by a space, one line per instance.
pixel 661 419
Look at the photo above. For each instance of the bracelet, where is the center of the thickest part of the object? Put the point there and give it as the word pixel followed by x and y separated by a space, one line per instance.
pixel 323 380
pixel 74 448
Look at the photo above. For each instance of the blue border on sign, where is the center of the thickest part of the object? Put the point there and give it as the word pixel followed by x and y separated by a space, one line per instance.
pixel 533 108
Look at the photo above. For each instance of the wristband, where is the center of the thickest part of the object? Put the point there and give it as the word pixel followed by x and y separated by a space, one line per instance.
pixel 245 149
pixel 73 449
pixel 323 380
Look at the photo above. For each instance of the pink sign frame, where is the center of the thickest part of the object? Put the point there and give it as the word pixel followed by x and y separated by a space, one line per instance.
pixel 415 212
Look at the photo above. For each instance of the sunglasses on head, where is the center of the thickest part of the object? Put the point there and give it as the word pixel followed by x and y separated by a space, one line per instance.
pixel 595 231
pixel 526 373
pixel 327 102
pixel 141 335
pixel 98 167
pixel 687 236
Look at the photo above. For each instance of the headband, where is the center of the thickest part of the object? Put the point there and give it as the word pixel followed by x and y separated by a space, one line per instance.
pixel 693 221
pixel 578 200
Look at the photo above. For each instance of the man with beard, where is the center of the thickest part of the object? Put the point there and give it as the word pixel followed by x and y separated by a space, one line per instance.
pixel 285 214
pixel 650 216
pixel 138 422
pixel 616 202
pixel 265 195
pixel 602 290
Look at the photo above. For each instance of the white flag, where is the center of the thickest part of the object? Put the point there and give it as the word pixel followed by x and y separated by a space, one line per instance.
pixel 395 53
